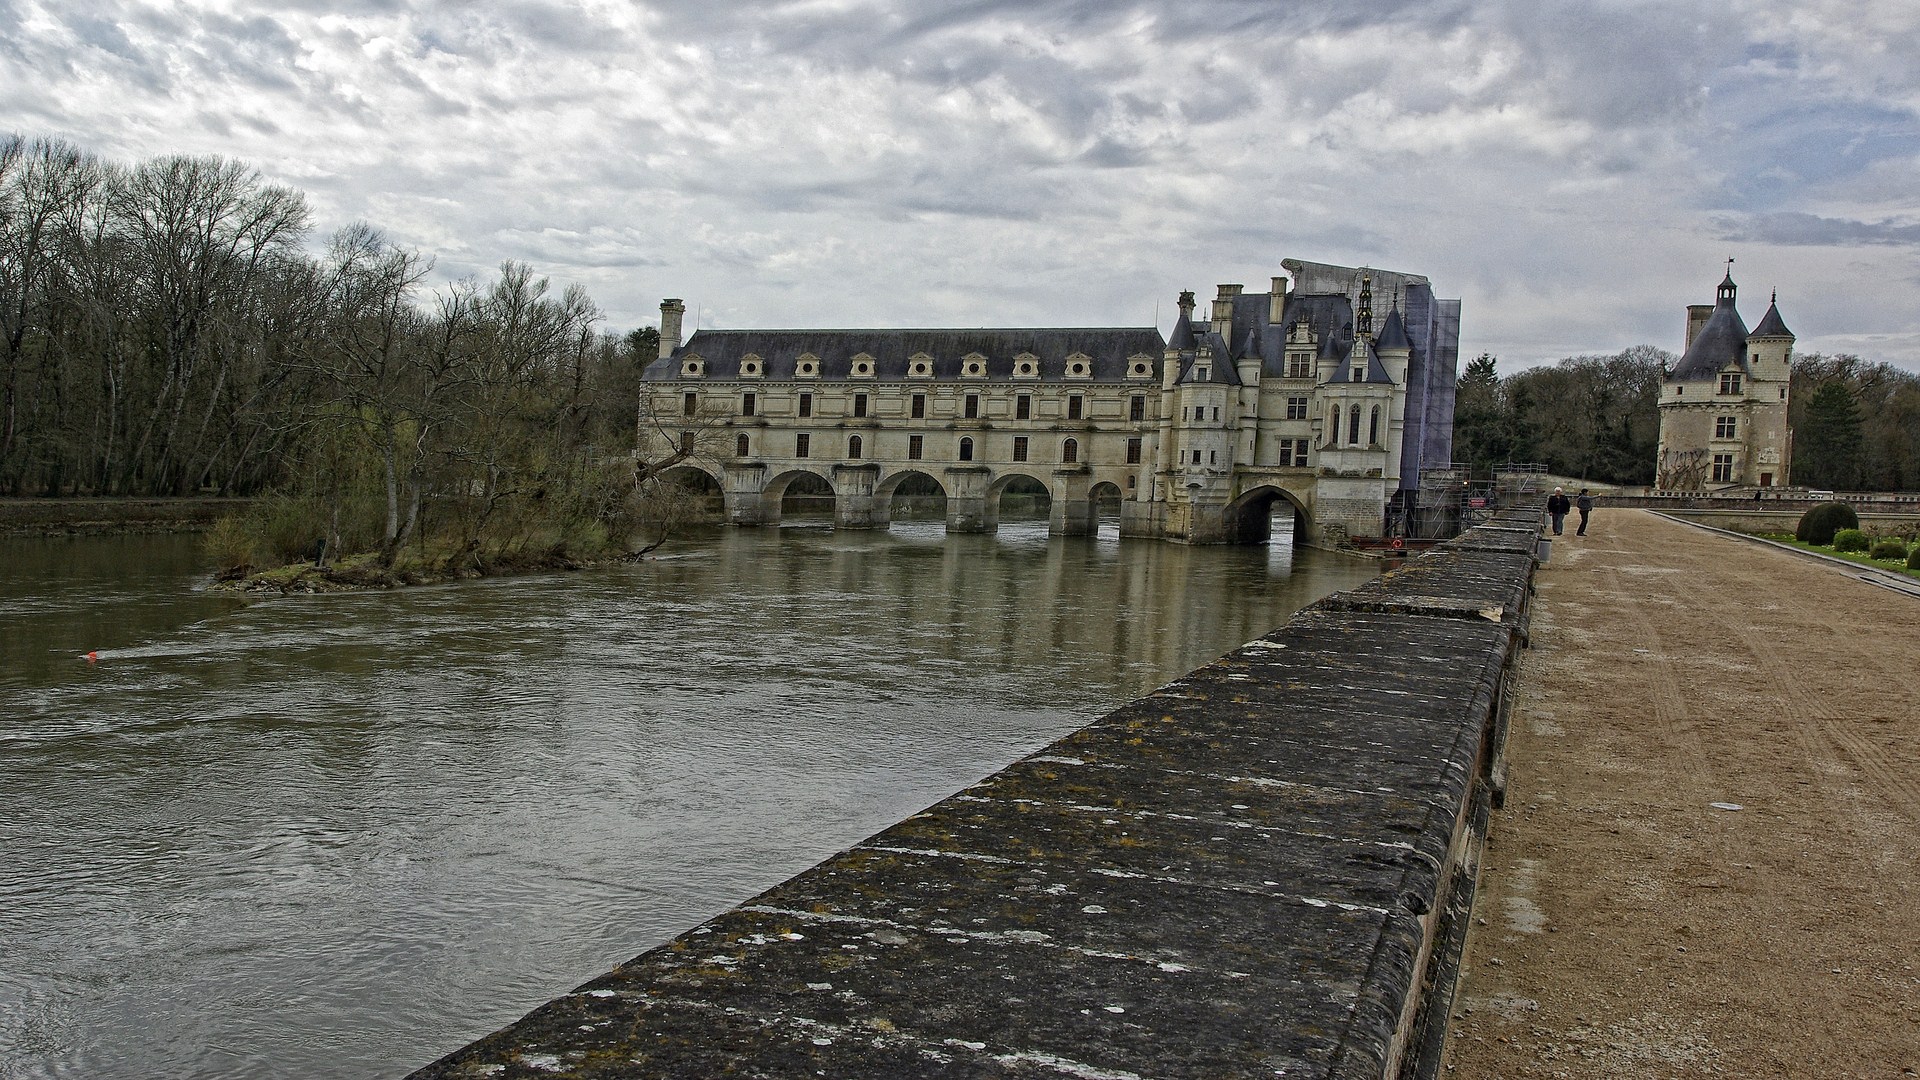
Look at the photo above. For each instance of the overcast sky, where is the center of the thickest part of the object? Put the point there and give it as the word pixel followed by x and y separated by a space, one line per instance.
pixel 1575 172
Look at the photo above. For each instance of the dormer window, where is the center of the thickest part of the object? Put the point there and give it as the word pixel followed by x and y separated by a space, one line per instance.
pixel 1026 366
pixel 862 366
pixel 920 365
pixel 1202 374
pixel 1729 382
pixel 1360 374
pixel 1139 367
pixel 692 367
pixel 750 366
pixel 974 366
pixel 807 366
pixel 1079 366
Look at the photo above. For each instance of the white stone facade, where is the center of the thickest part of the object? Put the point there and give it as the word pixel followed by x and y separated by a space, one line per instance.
pixel 1723 407
pixel 1283 397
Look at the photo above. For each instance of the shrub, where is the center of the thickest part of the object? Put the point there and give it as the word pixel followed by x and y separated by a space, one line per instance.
pixel 1890 548
pixel 1818 525
pixel 1913 558
pixel 1849 540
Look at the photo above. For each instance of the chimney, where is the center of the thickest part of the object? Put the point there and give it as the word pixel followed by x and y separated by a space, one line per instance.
pixel 1697 316
pixel 670 314
pixel 1223 312
pixel 1277 301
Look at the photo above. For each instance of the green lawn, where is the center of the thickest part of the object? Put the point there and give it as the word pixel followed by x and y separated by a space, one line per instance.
pixel 1851 556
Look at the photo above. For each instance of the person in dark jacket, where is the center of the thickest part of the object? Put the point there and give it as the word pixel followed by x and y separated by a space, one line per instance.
pixel 1557 507
pixel 1585 505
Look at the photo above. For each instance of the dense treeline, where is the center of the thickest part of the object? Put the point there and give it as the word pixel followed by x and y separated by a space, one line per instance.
pixel 1856 424
pixel 1590 417
pixel 165 329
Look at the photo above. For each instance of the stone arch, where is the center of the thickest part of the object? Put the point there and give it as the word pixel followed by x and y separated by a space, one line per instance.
pixel 1249 518
pixel 1104 500
pixel 774 495
pixel 921 493
pixel 1035 485
pixel 696 476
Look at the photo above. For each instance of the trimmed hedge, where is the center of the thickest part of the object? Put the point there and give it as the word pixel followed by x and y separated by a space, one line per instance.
pixel 1850 540
pixel 1818 525
pixel 1913 558
pixel 1888 548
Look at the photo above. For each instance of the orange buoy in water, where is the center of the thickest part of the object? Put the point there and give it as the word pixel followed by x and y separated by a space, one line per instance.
pixel 92 657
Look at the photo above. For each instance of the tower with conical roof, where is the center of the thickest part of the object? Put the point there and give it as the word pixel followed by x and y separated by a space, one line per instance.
pixel 1723 406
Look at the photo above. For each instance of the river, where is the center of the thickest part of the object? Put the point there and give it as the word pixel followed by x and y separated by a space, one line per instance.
pixel 339 836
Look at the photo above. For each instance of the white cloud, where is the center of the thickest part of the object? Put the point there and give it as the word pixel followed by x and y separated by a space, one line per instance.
pixel 1574 172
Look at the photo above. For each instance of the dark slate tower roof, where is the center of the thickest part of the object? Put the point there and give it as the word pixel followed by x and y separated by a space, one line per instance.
pixel 1771 325
pixel 1394 334
pixel 1721 343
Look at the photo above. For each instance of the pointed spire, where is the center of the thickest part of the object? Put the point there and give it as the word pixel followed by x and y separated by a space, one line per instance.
pixel 1182 337
pixel 1727 287
pixel 1364 319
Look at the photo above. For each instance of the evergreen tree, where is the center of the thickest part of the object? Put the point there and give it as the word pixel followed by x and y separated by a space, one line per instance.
pixel 1827 448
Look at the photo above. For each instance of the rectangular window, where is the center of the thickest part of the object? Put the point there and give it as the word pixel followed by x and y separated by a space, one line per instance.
pixel 1297 408
pixel 686 442
pixel 1724 426
pixel 1019 448
pixel 1300 366
pixel 919 406
pixel 746 404
pixel 802 444
pixel 1293 453
pixel 1196 457
pixel 1133 451
pixel 1213 457
pixel 973 407
pixel 1137 408
pixel 859 404
pixel 1023 407
pixel 806 404
pixel 1729 382
pixel 1216 412
pixel 1074 406
pixel 1722 468
pixel 916 446
pixel 691 404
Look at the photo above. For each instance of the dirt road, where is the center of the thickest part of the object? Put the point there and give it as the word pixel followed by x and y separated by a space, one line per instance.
pixel 1709 860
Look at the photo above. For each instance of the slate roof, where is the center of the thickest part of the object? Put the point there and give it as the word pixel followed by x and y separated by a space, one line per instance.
pixel 1394 334
pixel 779 350
pixel 1721 343
pixel 1771 325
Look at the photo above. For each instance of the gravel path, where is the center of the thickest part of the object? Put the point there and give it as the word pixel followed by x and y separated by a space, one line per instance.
pixel 1709 859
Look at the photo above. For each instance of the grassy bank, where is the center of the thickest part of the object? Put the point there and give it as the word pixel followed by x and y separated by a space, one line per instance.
pixel 108 515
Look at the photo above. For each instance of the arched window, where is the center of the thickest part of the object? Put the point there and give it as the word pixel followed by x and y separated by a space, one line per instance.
pixel 1373 427
pixel 1353 425
pixel 1070 451
pixel 853 446
pixel 966 449
pixel 740 445
pixel 1333 425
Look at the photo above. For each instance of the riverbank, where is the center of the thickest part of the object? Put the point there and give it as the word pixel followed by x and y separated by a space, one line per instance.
pixel 358 573
pixel 92 516
pixel 1704 866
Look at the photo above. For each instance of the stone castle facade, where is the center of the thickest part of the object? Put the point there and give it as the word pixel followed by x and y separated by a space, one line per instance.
pixel 1723 407
pixel 1328 393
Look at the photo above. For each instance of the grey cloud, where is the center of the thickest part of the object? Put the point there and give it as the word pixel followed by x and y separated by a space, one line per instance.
pixel 1798 230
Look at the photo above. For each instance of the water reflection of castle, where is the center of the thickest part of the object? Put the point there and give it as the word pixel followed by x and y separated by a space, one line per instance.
pixel 1296 397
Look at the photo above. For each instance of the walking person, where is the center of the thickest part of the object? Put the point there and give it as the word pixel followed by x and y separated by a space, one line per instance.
pixel 1585 505
pixel 1557 507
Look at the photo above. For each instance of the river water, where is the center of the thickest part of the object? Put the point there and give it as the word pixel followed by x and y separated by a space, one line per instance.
pixel 339 836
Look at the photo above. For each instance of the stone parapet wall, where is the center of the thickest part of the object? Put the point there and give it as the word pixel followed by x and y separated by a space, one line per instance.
pixel 1262 868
